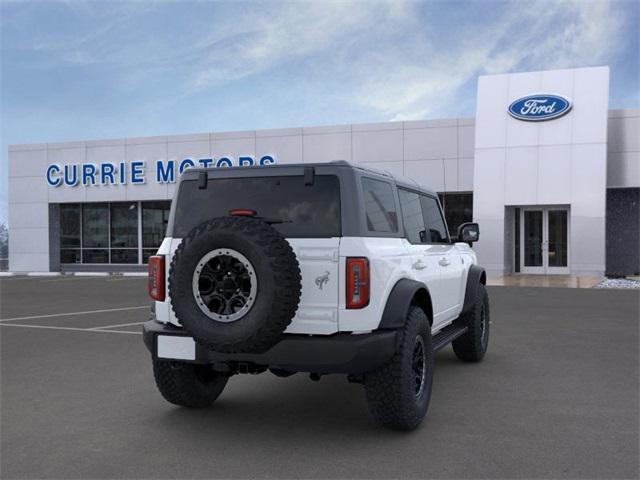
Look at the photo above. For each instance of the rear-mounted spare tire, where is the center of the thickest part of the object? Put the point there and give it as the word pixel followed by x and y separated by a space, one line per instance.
pixel 235 284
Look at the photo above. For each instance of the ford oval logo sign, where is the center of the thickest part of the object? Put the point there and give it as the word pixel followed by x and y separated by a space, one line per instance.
pixel 536 108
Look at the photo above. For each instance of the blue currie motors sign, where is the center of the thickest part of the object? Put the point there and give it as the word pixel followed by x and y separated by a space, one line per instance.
pixel 135 172
pixel 536 108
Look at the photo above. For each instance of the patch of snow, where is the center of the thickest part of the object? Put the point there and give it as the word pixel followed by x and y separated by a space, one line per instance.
pixel 618 283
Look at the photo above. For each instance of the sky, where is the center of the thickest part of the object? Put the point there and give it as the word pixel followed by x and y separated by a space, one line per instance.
pixel 74 70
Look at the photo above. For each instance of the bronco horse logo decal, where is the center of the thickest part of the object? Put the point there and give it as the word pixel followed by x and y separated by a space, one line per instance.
pixel 322 279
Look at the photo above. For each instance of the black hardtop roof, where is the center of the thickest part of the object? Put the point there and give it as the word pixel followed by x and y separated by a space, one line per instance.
pixel 399 180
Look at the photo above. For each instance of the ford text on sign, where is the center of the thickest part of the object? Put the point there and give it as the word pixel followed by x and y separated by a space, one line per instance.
pixel 536 108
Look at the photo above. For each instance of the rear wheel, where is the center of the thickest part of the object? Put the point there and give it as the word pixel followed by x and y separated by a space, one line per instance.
pixel 398 393
pixel 472 346
pixel 187 384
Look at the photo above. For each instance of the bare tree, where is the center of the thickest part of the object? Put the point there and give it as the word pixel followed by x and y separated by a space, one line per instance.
pixel 4 241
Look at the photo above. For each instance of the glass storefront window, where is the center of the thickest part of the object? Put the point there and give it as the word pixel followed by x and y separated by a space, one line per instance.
pixel 127 255
pixel 70 226
pixel 124 225
pixel 558 238
pixel 70 237
pixel 109 233
pixel 458 209
pixel 94 255
pixel 533 238
pixel 68 255
pixel 155 216
pixel 95 225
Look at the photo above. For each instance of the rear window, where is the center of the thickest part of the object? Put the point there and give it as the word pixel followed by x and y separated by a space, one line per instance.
pixel 305 210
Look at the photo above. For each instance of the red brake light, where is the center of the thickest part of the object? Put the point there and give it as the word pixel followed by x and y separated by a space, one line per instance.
pixel 156 277
pixel 358 282
pixel 242 212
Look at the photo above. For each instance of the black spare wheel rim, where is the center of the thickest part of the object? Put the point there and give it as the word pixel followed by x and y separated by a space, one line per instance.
pixel 234 284
pixel 225 285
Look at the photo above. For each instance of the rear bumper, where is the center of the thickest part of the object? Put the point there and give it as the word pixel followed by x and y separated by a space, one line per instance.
pixel 339 353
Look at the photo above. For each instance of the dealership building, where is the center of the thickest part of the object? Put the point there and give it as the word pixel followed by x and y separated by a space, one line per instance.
pixel 551 174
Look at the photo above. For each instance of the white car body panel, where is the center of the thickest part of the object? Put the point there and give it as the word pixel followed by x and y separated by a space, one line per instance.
pixel 388 262
pixel 164 312
pixel 322 309
pixel 318 309
pixel 319 267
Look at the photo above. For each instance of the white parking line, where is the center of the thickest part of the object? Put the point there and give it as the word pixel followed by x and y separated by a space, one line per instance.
pixel 21 279
pixel 119 325
pixel 68 278
pixel 48 327
pixel 88 312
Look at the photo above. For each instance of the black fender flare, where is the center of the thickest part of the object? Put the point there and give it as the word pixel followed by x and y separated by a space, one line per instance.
pixel 476 276
pixel 400 300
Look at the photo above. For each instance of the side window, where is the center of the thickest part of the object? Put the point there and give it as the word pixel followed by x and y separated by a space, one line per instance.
pixel 435 226
pixel 412 216
pixel 379 206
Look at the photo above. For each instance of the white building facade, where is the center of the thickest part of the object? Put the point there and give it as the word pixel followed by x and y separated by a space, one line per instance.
pixel 550 173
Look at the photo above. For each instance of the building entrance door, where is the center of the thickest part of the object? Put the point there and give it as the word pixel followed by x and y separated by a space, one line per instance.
pixel 544 240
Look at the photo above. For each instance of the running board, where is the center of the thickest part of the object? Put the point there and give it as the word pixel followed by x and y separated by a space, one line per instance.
pixel 447 335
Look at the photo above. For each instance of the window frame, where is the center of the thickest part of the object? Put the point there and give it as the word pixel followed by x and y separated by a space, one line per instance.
pixel 444 221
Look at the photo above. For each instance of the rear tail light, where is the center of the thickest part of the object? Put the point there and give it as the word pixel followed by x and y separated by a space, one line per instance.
pixel 156 277
pixel 358 282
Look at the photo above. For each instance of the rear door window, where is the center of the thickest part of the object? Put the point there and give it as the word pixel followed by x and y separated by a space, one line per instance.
pixel 379 205
pixel 298 210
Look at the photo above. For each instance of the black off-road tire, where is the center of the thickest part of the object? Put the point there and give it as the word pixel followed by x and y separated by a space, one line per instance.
pixel 472 346
pixel 278 279
pixel 188 385
pixel 391 390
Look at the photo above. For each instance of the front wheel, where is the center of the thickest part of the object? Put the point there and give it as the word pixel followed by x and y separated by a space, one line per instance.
pixel 398 393
pixel 188 384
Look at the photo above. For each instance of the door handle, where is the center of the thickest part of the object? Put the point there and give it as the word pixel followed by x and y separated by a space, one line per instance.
pixel 444 261
pixel 419 265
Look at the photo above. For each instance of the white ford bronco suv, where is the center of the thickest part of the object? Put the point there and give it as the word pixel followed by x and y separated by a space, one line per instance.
pixel 318 268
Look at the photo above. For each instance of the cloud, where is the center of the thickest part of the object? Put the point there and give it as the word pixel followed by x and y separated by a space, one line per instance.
pixel 393 58
pixel 538 36
pixel 294 31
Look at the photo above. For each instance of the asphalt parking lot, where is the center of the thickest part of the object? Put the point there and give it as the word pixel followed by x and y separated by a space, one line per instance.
pixel 556 397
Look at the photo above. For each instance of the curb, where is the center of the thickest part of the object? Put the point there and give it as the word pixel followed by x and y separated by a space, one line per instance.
pixel 74 274
pixel 90 274
pixel 109 274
